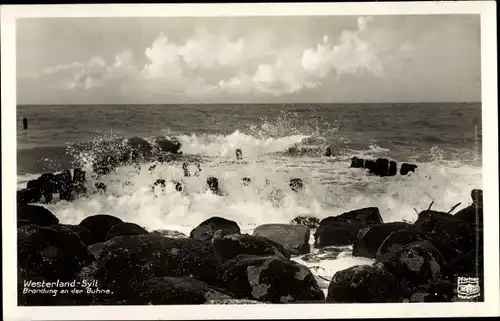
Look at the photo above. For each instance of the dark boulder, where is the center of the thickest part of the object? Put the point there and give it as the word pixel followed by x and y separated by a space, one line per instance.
pixel 96 249
pixel 99 225
pixel 173 290
pixel 368 216
pixel 28 195
pixel 124 229
pixel 393 168
pixel 369 239
pixel 270 279
pixel 428 219
pixel 171 145
pixel 472 214
pixel 364 284
pixel 230 246
pixel 382 167
pixel 370 165
pixel 306 220
pixel 397 239
pixel 357 162
pixel 49 253
pixel 406 168
pixel 34 214
pixel 414 264
pixel 79 180
pixel 46 184
pixel 64 185
pixel 169 233
pixel 84 234
pixel 105 164
pixel 336 231
pixel 127 261
pixel 294 238
pixel 137 148
pixel 206 229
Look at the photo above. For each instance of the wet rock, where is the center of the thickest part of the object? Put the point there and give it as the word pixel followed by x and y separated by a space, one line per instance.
pixel 46 184
pixel 406 168
pixel 370 165
pixel 428 219
pixel 382 167
pixel 328 151
pixel 99 225
pixel 364 284
pixel 296 184
pixel 414 264
pixel 124 229
pixel 357 162
pixel 127 261
pixel 294 238
pixel 170 145
pixel 333 231
pixel 397 239
pixel 325 253
pixel 79 180
pixel 206 229
pixel 34 214
pixel 270 279
pixel 368 216
pixel 28 195
pixel 169 233
pixel 393 168
pixel 369 239
pixel 172 290
pixel 64 185
pixel 306 220
pixel 96 249
pixel 49 253
pixel 230 246
pixel 84 234
pixel 105 164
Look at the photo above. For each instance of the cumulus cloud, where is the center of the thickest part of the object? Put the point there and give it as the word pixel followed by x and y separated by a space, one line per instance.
pixel 213 63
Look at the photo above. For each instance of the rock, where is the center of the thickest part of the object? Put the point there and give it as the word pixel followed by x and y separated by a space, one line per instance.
pixel 270 279
pixel 28 195
pixel 159 182
pixel 213 185
pixel 169 233
pixel 472 214
pixel 368 216
pixel 477 196
pixel 79 180
pixel 397 239
pixel 294 238
pixel 64 185
pixel 296 184
pixel 435 291
pixel 49 253
pixel 369 239
pixel 325 253
pixel 99 225
pixel 139 145
pixel 364 284
pixel 96 249
pixel 124 229
pixel 328 151
pixel 414 264
pixel 428 219
pixel 206 229
pixel 34 214
pixel 306 220
pixel 393 168
pixel 230 246
pixel 336 231
pixel 406 168
pixel 357 162
pixel 105 164
pixel 469 264
pixel 46 184
pixel 127 261
pixel 168 145
pixel 83 233
pixel 172 290
pixel 370 165
pixel 382 167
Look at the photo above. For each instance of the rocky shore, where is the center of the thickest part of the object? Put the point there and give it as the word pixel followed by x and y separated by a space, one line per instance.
pixel 121 263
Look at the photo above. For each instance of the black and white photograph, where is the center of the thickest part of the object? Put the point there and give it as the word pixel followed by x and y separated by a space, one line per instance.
pixel 251 160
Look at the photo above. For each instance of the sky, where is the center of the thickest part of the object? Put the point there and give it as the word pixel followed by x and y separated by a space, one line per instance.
pixel 280 59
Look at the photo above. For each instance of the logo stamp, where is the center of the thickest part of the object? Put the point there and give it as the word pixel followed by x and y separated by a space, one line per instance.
pixel 468 288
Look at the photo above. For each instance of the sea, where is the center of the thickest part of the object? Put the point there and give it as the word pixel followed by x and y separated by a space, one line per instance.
pixel 278 142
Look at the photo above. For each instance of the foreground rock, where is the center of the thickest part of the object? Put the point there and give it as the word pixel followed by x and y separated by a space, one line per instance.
pixel 294 238
pixel 206 230
pixel 414 264
pixel 124 229
pixel 333 231
pixel 474 212
pixel 49 253
pixel 306 220
pixel 173 290
pixel 99 225
pixel 364 284
pixel 229 246
pixel 368 216
pixel 398 239
pixel 270 279
pixel 127 261
pixel 34 214
pixel 169 233
pixel 84 234
pixel 369 239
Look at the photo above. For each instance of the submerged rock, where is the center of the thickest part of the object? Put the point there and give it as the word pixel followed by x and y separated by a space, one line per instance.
pixel 99 225
pixel 270 279
pixel 406 168
pixel 230 246
pixel 364 284
pixel 294 238
pixel 206 229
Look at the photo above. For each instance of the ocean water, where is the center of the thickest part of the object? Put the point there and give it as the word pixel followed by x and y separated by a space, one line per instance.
pixel 444 140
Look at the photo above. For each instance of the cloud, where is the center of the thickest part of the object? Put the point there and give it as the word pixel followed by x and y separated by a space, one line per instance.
pixel 209 64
